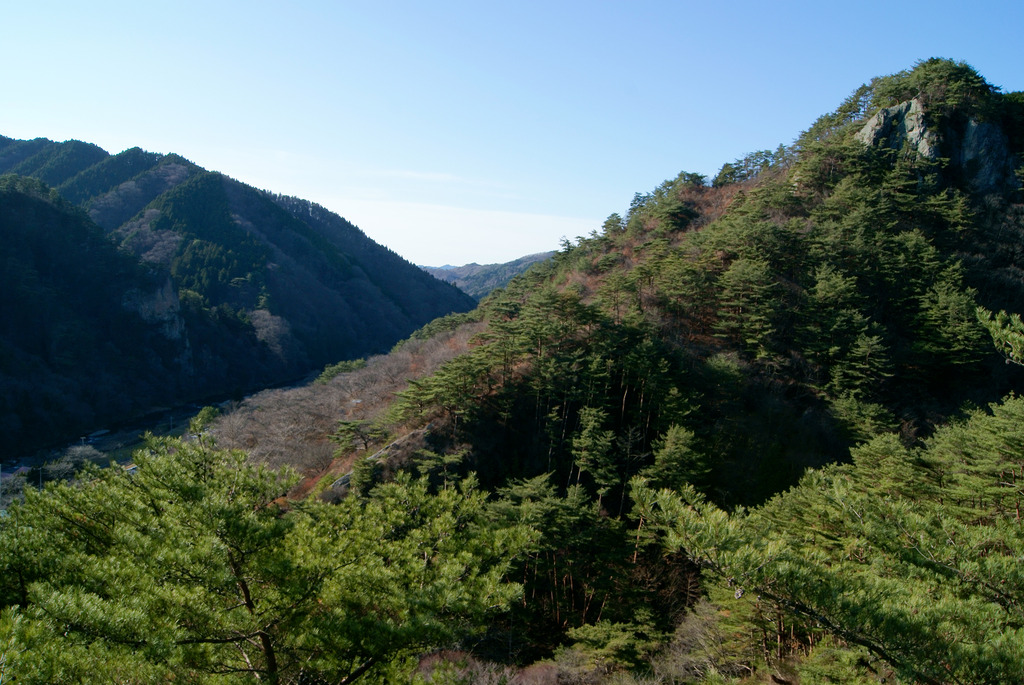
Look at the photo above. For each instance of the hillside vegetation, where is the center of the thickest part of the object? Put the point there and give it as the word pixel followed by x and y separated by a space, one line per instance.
pixel 479 280
pixel 750 430
pixel 232 289
pixel 64 285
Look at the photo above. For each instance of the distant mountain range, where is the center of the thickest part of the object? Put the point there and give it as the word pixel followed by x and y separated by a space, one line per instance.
pixel 139 280
pixel 479 280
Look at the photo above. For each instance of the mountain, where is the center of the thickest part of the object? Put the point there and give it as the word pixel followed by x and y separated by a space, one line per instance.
pixel 86 331
pixel 801 330
pixel 478 281
pixel 250 288
pixel 753 430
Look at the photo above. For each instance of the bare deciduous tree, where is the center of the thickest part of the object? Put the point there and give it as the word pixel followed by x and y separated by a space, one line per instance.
pixel 292 427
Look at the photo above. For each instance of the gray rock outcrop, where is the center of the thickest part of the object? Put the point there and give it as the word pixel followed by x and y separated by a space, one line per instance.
pixel 162 308
pixel 905 122
pixel 978 150
pixel 984 156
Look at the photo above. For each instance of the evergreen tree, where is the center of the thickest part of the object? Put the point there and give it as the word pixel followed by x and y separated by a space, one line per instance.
pixel 745 304
pixel 592 450
pixel 910 554
pixel 194 568
pixel 676 461
pixel 1007 332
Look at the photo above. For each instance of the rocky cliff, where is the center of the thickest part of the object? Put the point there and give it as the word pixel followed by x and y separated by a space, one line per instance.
pixel 977 150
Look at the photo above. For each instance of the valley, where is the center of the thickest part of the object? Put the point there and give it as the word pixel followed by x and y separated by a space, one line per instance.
pixel 763 427
pixel 144 281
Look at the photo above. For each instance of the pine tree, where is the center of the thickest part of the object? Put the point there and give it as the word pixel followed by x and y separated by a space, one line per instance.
pixel 196 568
pixel 909 554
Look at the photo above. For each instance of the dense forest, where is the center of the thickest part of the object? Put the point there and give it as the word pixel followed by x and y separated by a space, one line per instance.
pixel 761 428
pixel 136 281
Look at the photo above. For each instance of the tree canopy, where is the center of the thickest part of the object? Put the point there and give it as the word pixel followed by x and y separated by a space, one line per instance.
pixel 195 566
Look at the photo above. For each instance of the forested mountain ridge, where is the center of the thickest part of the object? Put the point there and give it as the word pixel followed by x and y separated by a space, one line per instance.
pixel 254 289
pixel 748 431
pixel 717 339
pixel 478 280
pixel 808 299
pixel 66 287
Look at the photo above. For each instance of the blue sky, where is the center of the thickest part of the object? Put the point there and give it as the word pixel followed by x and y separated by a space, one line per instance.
pixel 458 132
